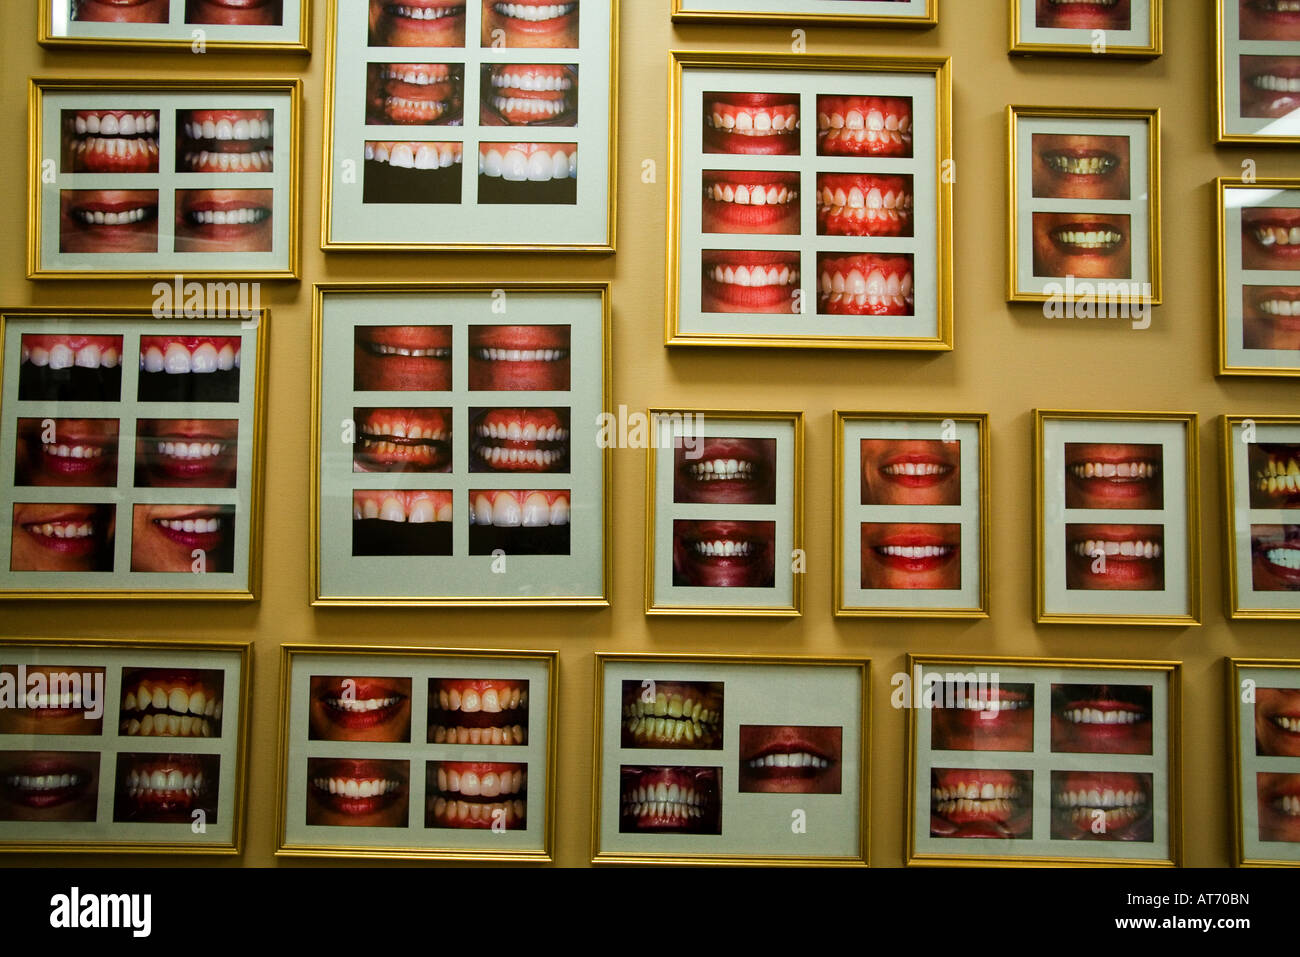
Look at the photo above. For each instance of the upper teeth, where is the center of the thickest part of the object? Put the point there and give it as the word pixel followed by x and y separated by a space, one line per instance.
pixel 1280 307
pixel 1097 716
pixel 98 217
pixel 521 355
pixel 434 353
pixel 487 784
pixel 523 11
pixel 1090 239
pixel 916 468
pixel 490 700
pixel 755 275
pixel 517 167
pixel 721 469
pixel 1098 798
pixel 1091 549
pixel 64 529
pixel 415 77
pixel 351 787
pixel 73 451
pixel 1285 723
pixel 755 121
pixel 525 432
pixel 1276 84
pixel 226 130
pixel 1285 557
pixel 1140 470
pixel 358 705
pixel 974 791
pixel 798 759
pixel 60 356
pixel 916 551
pixel 423 156
pixel 43 782
pixel 189 450
pixel 110 125
pixel 200 525
pixel 1081 165
pixel 1278 235
pixel 531 81
pixel 172 780
pixel 423 13
pixel 229 217
pixel 722 548
pixel 179 359
pixel 751 195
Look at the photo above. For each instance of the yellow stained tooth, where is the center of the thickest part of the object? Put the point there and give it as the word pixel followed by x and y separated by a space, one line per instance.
pixel 661 725
pixel 518 732
pixel 695 714
pixel 128 703
pixel 146 726
pixel 661 704
pixel 159 698
pixel 144 696
pixel 688 708
pixel 675 707
pixel 439 734
pixel 688 730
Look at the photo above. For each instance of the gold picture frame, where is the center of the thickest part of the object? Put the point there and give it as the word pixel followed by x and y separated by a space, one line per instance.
pixel 1243 686
pixel 1237 128
pixel 54 31
pixel 791 11
pixel 1093 41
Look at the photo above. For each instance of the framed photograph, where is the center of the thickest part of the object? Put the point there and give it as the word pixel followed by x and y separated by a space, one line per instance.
pixel 731 759
pixel 441 754
pixel 1095 28
pixel 1117 533
pixel 1258 67
pixel 500 135
pixel 1261 484
pixel 459 451
pixel 134 454
pixel 830 233
pixel 874 13
pixel 724 513
pixel 1037 761
pixel 1259 277
pixel 194 26
pixel 1263 702
pixel 911 515
pixel 134 181
pixel 122 746
pixel 1085 209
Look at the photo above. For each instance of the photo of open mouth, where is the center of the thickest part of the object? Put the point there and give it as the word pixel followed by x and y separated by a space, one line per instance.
pixel 864 126
pixel 62 537
pixel 1101 719
pixel 787 759
pixel 1080 166
pixel 529 94
pixel 1112 475
pixel 985 717
pixel 751 201
pixel 1278 799
pixel 108 221
pixel 1088 245
pixel 519 358
pixel 52 699
pixel 476 794
pixel 750 281
pixel 1270 237
pixel 248 13
pixel 186 453
pixel 911 555
pixel 1083 15
pixel 224 220
pixel 1269 19
pixel 725 471
pixel 665 800
pixel 417 23
pixel 402 440
pixel 1270 86
pixel 355 708
pixel 1115 557
pixel 672 714
pixel 1274 474
pixel 968 802
pixel 910 472
pixel 868 284
pixel 528 173
pixel 49 785
pixel 402 359
pixel 166 788
pixel 754 124
pixel 224 141
pixel 1277 722
pixel 110 141
pixel 478 711
pixel 415 94
pixel 412 172
pixel 1101 806
pixel 519 440
pixel 1275 557
pixel 710 553
pixel 519 521
pixel 864 204
pixel 119 11
pixel 356 792
pixel 171 703
pixel 1270 317
pixel 70 368
pixel 409 522
pixel 167 538
pixel 530 23
pixel 177 368
pixel 66 452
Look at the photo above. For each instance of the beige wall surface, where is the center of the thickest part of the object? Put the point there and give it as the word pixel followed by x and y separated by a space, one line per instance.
pixel 1007 361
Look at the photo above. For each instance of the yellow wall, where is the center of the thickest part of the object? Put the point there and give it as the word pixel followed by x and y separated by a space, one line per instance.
pixel 1007 361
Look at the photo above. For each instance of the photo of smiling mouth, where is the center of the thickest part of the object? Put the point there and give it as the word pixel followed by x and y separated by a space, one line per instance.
pixel 186 453
pixel 402 440
pixel 344 792
pixel 1270 238
pixel 863 204
pixel 981 803
pixel 1277 722
pixel 235 12
pixel 711 553
pixel 224 220
pixel 1112 475
pixel 510 173
pixel 51 536
pixel 1115 557
pixel 519 358
pixel 1080 166
pixel 189 368
pixel 679 714
pixel 786 759
pixel 356 708
pixel 417 23
pixel 48 785
pixel 726 471
pixel 864 126
pixel 530 23
pixel 209 528
pixel 755 124
pixel 519 440
pixel 166 788
pixel 110 141
pixel 108 221
pixel 408 522
pixel 171 703
pixel 749 281
pixel 911 555
pixel 1269 19
pixel 402 359
pixel 1101 719
pixel 415 94
pixel 224 141
pixel 1082 244
pixel 983 718
pixel 1278 801
pixel 1275 557
pixel 119 11
pixel 478 711
pixel 519 521
pixel 70 368
pixel 476 795
pixel 669 800
pixel 910 472
pixel 750 201
pixel 66 452
pixel 1101 806
pixel 865 285
pixel 1271 317
pixel 1274 474
pixel 1083 14
pixel 51 702
pixel 1270 86
pixel 529 94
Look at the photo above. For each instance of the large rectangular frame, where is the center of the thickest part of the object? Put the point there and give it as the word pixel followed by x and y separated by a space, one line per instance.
pixel 1221 74
pixel 1242 700
pixel 187 41
pixel 712 11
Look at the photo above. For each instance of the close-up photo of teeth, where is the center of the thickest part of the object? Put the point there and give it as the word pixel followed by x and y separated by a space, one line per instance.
pixel 670 800
pixel 868 126
pixel 790 759
pixel 70 367
pixel 867 284
pixel 184 368
pixel 1080 166
pixel 402 522
pixel 116 11
pixel 1275 557
pixel 486 711
pixel 750 281
pixel 47 786
pixel 1086 245
pixel 358 792
pixel 529 94
pixel 402 358
pixel 758 124
pixel 863 204
pixel 477 795
pixel 171 703
pixel 1083 14
pixel 530 23
pixel 1270 86
pixel 415 94
pixel 519 521
pixel 528 173
pixel 1270 238
pixel 186 453
pixel 67 452
pixel 247 13
pixel 1115 557
pixel 684 715
pixel 981 803
pixel 110 141
pixel 1270 317
pixel 408 171
pixel 1101 806
pixel 158 788
pixel 751 201
pixel 225 141
pixel 357 708
pixel 172 538
pixel 1101 719
pixel 62 536
pixel 519 358
pixel 1114 475
pixel 725 470
pixel 519 440
pixel 416 23
pixel 108 221
pixel 402 440
pixel 225 220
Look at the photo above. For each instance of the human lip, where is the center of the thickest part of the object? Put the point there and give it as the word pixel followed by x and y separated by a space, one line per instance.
pixel 1088 237
pixel 520 346
pixel 201 527
pixel 478 794
pixel 357 787
pixel 1278 475
pixel 1275 80
pixel 1114 475
pixel 1082 163
pixel 1133 555
pixel 164 783
pixel 66 351
pixel 45 781
pixel 1279 304
pixel 863 204
pixel 191 451
pixel 172 703
pixel 224 214
pixel 865 285
pixel 78 447
pixel 537 18
pixel 48 705
pixel 917 469
pixel 406 342
pixel 1080 14
pixel 724 463
pixel 760 124
pixel 519 508
pixel 744 201
pixel 795 758
pixel 1116 545
pixel 357 704
pixel 977 803
pixel 682 715
pixel 725 543
pixel 668 799
pixel 864 126
pixel 521 440
pixel 917 550
pixel 990 708
pixel 226 141
pixel 396 440
pixel 1101 713
pixel 414 507
pixel 114 141
pixel 1282 559
pixel 113 209
pixel 418 93
pixel 527 94
pixel 1125 799
pixel 177 355
pixel 528 162
pixel 1276 231
pixel 73 530
pixel 478 711
pixel 749 280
